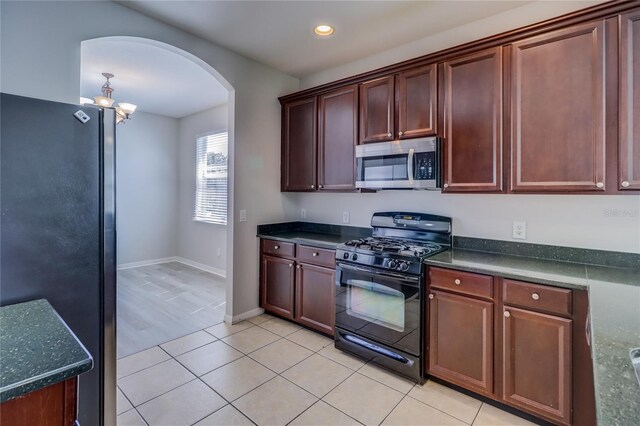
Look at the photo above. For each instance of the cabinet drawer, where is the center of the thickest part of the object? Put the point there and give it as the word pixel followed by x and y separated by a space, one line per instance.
pixel 317 256
pixel 278 248
pixel 537 297
pixel 461 282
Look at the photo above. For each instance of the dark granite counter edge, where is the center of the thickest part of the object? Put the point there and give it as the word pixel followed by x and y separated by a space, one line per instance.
pixel 306 241
pixel 496 270
pixel 51 378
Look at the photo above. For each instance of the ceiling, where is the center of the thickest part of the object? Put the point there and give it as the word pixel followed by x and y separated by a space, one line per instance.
pixel 280 33
pixel 153 78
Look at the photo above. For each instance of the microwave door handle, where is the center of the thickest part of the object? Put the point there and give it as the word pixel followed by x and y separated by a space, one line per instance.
pixel 410 165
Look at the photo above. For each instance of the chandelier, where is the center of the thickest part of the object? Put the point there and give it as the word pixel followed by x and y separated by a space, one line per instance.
pixel 123 109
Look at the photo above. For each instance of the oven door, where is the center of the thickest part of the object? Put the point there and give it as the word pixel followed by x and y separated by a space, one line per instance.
pixel 379 305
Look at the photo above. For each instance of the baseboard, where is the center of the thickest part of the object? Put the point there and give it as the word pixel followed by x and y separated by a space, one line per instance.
pixel 246 315
pixel 219 272
pixel 148 262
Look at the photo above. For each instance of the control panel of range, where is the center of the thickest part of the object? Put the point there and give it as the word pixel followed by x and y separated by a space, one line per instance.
pixel 390 263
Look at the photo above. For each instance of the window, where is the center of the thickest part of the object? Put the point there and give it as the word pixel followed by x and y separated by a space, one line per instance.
pixel 211 178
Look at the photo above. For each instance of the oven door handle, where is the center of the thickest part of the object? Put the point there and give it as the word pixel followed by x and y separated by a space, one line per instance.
pixel 377 349
pixel 408 278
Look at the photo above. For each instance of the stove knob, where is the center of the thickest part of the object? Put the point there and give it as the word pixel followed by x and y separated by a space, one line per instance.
pixel 354 257
pixel 404 266
pixel 345 256
pixel 393 264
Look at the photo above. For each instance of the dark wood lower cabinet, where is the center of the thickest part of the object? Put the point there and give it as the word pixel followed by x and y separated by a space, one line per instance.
pixel 537 363
pixel 54 405
pixel 315 297
pixel 277 285
pixel 461 340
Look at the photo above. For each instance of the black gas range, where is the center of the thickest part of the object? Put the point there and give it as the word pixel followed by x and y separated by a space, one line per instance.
pixel 380 289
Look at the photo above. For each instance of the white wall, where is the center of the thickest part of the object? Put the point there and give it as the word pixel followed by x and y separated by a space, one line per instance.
pixel 147 187
pixel 40 57
pixel 198 241
pixel 600 222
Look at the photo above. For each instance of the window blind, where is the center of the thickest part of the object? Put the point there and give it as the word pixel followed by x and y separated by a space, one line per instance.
pixel 211 178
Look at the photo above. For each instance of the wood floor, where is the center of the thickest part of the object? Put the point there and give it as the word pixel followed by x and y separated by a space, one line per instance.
pixel 159 303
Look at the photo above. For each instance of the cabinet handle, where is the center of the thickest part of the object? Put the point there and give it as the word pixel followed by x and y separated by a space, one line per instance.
pixel 276 247
pixel 600 185
pixel 535 296
pixel 457 281
pixel 389 134
pixel 446 185
pixel 400 133
pixel 507 314
pixel 431 296
pixel 625 184
pixel 315 254
pixel 291 265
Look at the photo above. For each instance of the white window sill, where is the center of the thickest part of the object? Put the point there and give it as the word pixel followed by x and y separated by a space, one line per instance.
pixel 209 221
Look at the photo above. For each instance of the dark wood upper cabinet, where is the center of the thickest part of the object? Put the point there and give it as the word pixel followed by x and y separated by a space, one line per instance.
pixel 337 138
pixel 557 111
pixel 377 110
pixel 461 340
pixel 277 285
pixel 629 152
pixel 299 145
pixel 473 122
pixel 417 102
pixel 315 297
pixel 537 363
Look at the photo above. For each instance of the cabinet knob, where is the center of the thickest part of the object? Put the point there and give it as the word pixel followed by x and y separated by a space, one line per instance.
pixel 457 281
pixel 625 184
pixel 446 185
pixel 389 134
pixel 276 247
pixel 291 265
pixel 298 266
pixel 431 296
pixel 320 186
pixel 600 185
pixel 535 296
pixel 315 254
pixel 507 314
pixel 313 186
pixel 400 133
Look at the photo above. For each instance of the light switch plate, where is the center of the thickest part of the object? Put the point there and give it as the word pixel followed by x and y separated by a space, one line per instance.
pixel 345 217
pixel 303 213
pixel 520 230
pixel 243 215
pixel 81 116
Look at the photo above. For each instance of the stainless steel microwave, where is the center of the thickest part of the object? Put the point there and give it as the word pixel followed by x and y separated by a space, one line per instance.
pixel 401 164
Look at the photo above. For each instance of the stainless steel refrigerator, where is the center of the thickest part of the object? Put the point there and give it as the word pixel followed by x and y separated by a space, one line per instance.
pixel 57 228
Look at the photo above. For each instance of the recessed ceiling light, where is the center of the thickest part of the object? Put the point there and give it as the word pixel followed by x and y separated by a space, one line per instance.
pixel 323 30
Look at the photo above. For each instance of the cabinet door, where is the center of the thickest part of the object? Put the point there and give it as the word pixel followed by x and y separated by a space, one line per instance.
pixel 337 138
pixel 557 111
pixel 473 122
pixel 537 363
pixel 377 110
pixel 299 146
pixel 461 340
pixel 315 297
pixel 417 102
pixel 277 285
pixel 630 101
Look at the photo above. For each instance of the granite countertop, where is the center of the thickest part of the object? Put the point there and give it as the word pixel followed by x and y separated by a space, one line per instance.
pixel 314 234
pixel 614 303
pixel 37 349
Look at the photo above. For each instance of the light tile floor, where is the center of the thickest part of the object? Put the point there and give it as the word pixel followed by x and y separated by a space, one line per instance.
pixel 267 371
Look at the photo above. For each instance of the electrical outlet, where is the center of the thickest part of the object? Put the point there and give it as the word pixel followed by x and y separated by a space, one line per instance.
pixel 520 230
pixel 345 217
pixel 81 116
pixel 243 215
pixel 303 213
